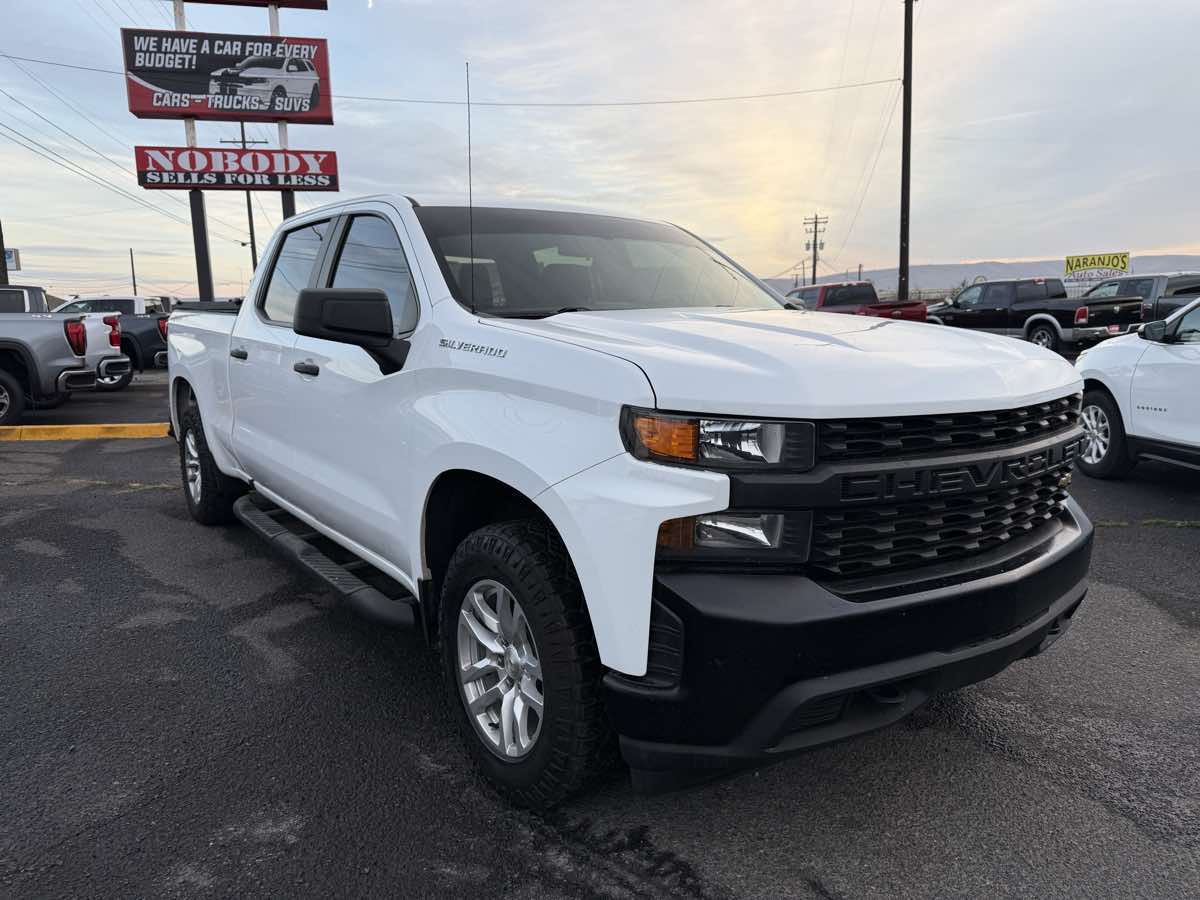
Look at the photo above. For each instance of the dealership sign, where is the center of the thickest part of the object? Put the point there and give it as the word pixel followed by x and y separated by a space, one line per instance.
pixel 184 168
pixel 199 75
pixel 12 259
pixel 1096 266
pixel 293 4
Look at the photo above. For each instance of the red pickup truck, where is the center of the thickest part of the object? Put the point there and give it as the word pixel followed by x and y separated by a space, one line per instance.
pixel 856 298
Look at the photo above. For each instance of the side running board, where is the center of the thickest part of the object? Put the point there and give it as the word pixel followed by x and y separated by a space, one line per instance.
pixel 368 590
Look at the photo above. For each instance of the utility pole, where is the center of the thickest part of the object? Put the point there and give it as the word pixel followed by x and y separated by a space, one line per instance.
pixel 906 151
pixel 132 272
pixel 288 198
pixel 249 210
pixel 3 258
pixel 204 278
pixel 815 226
pixel 860 271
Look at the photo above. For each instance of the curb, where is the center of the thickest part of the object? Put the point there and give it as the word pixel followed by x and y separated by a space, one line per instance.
pixel 83 432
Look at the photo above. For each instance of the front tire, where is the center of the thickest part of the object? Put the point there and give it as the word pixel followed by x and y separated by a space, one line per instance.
pixel 209 492
pixel 12 399
pixel 1105 450
pixel 522 673
pixel 1044 336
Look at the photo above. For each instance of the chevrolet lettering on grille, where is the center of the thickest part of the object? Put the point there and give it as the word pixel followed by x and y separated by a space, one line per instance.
pixel 935 482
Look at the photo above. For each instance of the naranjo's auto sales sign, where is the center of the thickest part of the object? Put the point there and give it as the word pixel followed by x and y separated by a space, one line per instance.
pixel 198 75
pixel 208 168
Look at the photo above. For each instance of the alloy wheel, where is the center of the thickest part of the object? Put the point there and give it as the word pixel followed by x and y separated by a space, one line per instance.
pixel 499 670
pixel 1097 434
pixel 191 466
pixel 5 401
pixel 1042 337
pixel 108 380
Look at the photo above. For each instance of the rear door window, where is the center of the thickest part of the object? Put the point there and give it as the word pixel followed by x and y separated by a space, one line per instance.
pixel 999 296
pixel 1031 290
pixel 372 257
pixel 292 271
pixel 12 301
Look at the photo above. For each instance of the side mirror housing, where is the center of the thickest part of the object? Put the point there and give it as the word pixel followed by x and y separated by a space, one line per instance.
pixel 1154 331
pixel 361 317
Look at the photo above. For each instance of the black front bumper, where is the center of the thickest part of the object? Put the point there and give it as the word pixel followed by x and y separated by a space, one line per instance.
pixel 747 668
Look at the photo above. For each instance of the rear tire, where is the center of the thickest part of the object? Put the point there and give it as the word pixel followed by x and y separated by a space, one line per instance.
pixel 1044 336
pixel 117 383
pixel 544 759
pixel 209 492
pixel 1105 451
pixel 12 399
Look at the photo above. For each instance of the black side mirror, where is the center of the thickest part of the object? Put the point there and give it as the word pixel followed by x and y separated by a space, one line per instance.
pixel 362 317
pixel 1154 331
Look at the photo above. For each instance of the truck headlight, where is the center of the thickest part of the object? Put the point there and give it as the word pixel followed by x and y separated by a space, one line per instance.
pixel 718 443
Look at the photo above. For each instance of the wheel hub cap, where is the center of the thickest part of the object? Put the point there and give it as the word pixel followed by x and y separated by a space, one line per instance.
pixel 1097 434
pixel 500 672
pixel 191 466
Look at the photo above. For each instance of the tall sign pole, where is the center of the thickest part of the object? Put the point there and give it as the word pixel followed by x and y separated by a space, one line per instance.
pixel 204 278
pixel 132 272
pixel 906 151
pixel 3 258
pixel 288 198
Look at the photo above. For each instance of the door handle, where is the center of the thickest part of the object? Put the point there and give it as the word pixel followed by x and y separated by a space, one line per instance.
pixel 307 368
pixel 239 353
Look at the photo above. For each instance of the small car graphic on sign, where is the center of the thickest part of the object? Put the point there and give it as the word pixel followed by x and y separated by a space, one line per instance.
pixel 279 84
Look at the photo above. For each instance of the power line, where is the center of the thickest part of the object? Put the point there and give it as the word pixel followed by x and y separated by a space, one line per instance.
pixel 76 169
pixel 539 104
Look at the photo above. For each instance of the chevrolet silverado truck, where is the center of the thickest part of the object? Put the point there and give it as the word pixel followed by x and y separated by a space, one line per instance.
pixel 46 356
pixel 1039 310
pixel 624 491
pixel 1140 397
pixel 856 298
pixel 143 331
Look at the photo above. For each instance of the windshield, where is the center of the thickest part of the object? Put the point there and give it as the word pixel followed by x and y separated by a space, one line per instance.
pixel 534 263
pixel 258 62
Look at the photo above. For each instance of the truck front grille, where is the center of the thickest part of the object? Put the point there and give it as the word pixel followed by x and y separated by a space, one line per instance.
pixel 884 438
pixel 886 537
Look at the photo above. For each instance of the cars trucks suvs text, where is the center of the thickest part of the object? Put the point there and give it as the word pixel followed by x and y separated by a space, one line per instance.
pixel 624 491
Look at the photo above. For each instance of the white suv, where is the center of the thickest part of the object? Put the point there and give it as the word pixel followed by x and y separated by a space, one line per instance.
pixel 272 79
pixel 1140 397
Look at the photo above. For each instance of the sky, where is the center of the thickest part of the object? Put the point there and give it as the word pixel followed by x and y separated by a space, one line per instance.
pixel 1040 128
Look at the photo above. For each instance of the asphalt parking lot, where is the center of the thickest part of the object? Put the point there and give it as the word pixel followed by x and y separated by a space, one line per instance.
pixel 184 715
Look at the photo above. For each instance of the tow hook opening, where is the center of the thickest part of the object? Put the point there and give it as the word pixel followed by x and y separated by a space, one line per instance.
pixel 888 694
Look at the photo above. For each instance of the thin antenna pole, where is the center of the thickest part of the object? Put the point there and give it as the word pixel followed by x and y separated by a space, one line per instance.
pixel 470 195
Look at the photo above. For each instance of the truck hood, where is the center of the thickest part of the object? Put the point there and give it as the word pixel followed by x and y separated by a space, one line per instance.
pixel 798 364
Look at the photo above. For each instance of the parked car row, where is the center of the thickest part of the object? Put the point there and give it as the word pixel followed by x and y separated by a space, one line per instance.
pixel 143 331
pixel 45 356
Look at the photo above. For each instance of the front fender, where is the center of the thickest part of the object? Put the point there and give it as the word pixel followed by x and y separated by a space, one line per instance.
pixel 608 517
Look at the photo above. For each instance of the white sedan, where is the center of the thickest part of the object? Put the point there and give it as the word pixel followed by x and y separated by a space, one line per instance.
pixel 1142 397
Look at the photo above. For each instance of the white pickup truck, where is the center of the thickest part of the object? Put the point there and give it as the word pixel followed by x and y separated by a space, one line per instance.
pixel 624 490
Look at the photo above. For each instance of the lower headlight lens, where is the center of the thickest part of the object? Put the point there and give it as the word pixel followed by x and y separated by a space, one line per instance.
pixel 723 531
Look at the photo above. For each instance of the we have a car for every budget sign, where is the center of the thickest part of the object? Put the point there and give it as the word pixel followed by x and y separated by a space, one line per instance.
pixel 200 75
pixel 210 168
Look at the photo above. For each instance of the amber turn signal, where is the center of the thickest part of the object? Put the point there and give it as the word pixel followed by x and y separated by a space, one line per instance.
pixel 668 438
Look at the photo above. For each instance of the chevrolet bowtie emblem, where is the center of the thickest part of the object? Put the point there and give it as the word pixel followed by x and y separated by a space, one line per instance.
pixel 1064 480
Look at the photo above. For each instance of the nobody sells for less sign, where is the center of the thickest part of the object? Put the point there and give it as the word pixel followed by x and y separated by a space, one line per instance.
pixel 209 168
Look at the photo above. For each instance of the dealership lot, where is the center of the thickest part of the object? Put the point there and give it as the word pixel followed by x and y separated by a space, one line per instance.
pixel 186 715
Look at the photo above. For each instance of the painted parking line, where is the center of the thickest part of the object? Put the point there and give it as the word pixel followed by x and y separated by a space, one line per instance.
pixel 83 432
